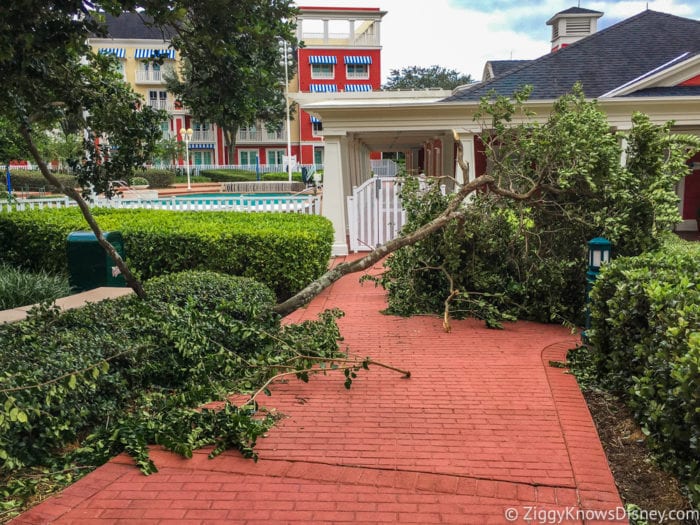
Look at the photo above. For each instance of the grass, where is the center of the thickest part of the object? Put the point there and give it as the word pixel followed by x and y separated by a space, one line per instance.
pixel 22 288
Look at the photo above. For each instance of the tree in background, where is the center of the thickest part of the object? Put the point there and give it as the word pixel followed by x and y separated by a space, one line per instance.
pixel 231 73
pixel 52 79
pixel 416 77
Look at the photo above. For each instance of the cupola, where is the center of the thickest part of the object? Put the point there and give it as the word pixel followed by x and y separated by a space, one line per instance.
pixel 571 25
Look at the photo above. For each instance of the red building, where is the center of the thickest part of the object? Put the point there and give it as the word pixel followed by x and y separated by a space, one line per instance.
pixel 341 52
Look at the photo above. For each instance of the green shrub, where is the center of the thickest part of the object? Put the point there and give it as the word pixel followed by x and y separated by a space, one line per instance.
pixel 122 374
pixel 159 178
pixel 229 175
pixel 282 176
pixel 138 181
pixel 645 336
pixel 35 181
pixel 21 288
pixel 285 251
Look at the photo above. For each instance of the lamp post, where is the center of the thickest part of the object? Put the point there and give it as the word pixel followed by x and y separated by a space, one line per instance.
pixel 286 52
pixel 599 252
pixel 186 135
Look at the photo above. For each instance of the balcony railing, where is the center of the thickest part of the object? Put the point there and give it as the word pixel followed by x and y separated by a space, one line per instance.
pixel 202 136
pixel 245 135
pixel 160 104
pixel 149 76
pixel 368 39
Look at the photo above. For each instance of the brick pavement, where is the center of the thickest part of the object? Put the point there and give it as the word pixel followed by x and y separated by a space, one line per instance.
pixel 482 425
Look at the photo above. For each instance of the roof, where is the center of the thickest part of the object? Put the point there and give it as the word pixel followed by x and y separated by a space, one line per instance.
pixel 500 67
pixel 135 26
pixel 602 61
pixel 578 11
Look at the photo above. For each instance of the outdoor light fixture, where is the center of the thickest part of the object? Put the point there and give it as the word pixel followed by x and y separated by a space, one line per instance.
pixel 286 53
pixel 186 135
pixel 599 252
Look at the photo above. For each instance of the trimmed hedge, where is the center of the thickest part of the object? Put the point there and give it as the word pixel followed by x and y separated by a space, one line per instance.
pixel 229 175
pixel 645 337
pixel 35 181
pixel 158 178
pixel 284 251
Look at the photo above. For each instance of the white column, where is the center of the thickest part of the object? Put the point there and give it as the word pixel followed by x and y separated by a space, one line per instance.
pixel 334 202
pixel 623 154
pixel 467 142
pixel 448 159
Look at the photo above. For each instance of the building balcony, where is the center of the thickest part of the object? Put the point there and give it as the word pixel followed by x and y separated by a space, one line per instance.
pixel 203 136
pixel 149 77
pixel 161 104
pixel 247 136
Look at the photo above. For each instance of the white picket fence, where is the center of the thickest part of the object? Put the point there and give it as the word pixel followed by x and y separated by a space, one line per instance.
pixel 375 213
pixel 305 204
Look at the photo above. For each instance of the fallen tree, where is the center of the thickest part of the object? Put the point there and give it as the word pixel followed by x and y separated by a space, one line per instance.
pixel 562 182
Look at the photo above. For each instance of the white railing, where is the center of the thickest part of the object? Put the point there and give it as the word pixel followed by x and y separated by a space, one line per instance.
pixel 304 204
pixel 375 213
pixel 149 76
pixel 202 136
pixel 195 169
pixel 245 135
pixel 160 104
pixel 384 168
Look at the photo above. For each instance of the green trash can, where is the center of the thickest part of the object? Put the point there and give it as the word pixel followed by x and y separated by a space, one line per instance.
pixel 89 265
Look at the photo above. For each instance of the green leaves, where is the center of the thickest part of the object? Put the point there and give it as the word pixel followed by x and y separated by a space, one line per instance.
pixel 645 339
pixel 285 251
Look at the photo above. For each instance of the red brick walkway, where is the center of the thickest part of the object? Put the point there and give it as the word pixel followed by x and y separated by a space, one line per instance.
pixel 483 425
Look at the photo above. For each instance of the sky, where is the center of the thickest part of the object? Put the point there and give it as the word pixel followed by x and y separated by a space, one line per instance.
pixel 464 34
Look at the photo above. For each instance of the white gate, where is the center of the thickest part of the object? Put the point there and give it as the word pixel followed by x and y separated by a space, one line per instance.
pixel 375 213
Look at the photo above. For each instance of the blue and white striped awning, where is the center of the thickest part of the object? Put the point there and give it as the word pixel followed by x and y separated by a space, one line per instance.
pixel 118 52
pixel 154 53
pixel 358 87
pixel 322 59
pixel 323 88
pixel 314 119
pixel 201 145
pixel 358 60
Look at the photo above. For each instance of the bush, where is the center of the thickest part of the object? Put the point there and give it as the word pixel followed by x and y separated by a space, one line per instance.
pixel 138 181
pixel 226 175
pixel 21 288
pixel 285 251
pixel 124 373
pixel 645 338
pixel 282 176
pixel 159 178
pixel 35 181
pixel 193 178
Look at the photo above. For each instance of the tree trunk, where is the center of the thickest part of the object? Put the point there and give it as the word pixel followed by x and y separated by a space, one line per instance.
pixel 133 283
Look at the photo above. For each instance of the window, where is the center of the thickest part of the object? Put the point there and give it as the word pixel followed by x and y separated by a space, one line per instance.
pixel 275 156
pixel 158 99
pixel 357 70
pixel 201 157
pixel 317 128
pixel 318 157
pixel 247 156
pixel 322 71
pixel 165 128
